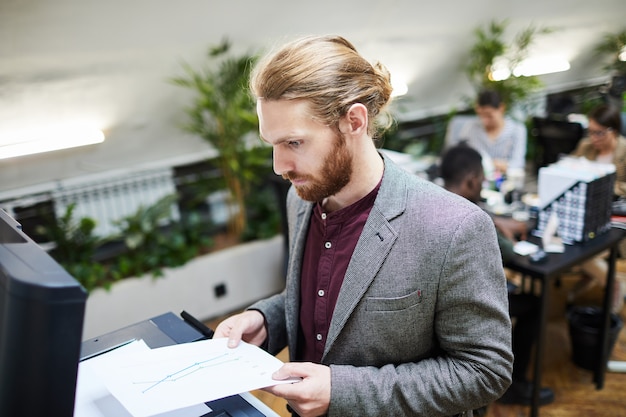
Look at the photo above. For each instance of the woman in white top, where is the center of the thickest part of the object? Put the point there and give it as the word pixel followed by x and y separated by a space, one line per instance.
pixel 491 132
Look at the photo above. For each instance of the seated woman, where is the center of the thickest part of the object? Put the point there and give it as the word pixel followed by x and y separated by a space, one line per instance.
pixel 492 133
pixel 605 144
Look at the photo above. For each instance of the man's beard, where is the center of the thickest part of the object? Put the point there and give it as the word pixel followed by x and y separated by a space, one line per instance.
pixel 333 176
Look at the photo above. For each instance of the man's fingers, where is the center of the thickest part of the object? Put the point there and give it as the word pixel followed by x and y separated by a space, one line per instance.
pixel 248 326
pixel 293 370
pixel 229 329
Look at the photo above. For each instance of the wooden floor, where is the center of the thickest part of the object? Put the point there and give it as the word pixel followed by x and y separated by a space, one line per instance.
pixel 574 389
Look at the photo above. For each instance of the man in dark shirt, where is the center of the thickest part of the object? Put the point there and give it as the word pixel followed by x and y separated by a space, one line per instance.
pixel 395 299
pixel 462 171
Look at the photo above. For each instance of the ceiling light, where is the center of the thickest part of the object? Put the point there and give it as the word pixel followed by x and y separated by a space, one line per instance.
pixel 500 70
pixel 499 74
pixel 529 67
pixel 540 66
pixel 33 142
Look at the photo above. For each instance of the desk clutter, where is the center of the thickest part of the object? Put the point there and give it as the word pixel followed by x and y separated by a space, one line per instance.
pixel 578 193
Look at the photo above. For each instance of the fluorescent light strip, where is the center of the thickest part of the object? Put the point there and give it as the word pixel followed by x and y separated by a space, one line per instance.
pixel 529 67
pixel 58 141
pixel 540 66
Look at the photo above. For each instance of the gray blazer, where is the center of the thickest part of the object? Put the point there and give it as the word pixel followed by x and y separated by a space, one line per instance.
pixel 421 326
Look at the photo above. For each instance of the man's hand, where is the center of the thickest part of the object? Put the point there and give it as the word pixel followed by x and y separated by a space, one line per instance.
pixel 309 397
pixel 511 228
pixel 500 165
pixel 248 326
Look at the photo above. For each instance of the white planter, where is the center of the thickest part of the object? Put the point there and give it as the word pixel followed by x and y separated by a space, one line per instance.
pixel 249 272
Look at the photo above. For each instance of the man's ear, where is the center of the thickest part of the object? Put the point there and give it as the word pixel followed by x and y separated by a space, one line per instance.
pixel 475 182
pixel 355 120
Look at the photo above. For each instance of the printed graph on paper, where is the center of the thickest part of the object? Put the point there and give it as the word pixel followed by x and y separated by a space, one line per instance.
pixel 219 367
pixel 153 381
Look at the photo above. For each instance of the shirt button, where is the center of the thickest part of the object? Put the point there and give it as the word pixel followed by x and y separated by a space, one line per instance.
pixel 327 245
pixel 318 336
pixel 323 216
pixel 320 293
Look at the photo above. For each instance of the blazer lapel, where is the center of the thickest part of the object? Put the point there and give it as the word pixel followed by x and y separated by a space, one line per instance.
pixel 373 246
pixel 371 250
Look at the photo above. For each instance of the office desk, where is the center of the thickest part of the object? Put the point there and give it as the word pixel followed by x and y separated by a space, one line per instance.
pixel 165 330
pixel 556 264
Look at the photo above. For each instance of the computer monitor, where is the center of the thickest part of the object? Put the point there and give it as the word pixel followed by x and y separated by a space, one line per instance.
pixel 554 138
pixel 41 319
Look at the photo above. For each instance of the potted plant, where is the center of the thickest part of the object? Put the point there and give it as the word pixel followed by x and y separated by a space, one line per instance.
pixel 491 51
pixel 73 245
pixel 223 113
pixel 161 265
pixel 613 45
pixel 149 240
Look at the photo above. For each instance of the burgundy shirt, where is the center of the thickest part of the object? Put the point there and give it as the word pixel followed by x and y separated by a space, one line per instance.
pixel 331 240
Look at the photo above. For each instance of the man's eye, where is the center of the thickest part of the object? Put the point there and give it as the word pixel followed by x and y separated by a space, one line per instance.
pixel 294 143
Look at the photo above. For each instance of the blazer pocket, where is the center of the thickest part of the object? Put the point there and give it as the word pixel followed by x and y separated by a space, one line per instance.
pixel 395 303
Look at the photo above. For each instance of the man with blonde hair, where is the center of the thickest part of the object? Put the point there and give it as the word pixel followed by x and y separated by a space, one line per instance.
pixel 395 301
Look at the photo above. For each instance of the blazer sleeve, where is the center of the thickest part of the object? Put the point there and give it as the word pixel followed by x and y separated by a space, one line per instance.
pixel 471 363
pixel 273 309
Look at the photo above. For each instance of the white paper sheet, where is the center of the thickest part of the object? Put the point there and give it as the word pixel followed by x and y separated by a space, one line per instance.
pixel 524 248
pixel 93 399
pixel 153 381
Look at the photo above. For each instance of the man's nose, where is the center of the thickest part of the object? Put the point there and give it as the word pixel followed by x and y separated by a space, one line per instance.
pixel 280 161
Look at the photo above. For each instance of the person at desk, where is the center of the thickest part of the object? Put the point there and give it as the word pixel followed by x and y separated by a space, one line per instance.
pixel 395 300
pixel 605 144
pixel 462 172
pixel 492 133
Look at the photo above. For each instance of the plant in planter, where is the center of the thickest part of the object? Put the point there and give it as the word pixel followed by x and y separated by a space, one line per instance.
pixel 154 241
pixel 491 51
pixel 149 244
pixel 74 246
pixel 613 45
pixel 224 114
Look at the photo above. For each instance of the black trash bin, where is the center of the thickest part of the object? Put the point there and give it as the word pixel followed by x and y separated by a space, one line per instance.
pixel 585 324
